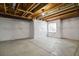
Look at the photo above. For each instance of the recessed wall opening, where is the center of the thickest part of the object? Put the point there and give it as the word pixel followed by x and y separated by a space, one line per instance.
pixel 52 27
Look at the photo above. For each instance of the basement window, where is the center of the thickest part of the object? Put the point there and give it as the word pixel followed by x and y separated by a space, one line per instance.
pixel 52 27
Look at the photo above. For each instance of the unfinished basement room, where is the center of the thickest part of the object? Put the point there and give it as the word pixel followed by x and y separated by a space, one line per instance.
pixel 39 29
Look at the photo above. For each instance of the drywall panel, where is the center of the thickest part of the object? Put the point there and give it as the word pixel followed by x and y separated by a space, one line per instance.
pixel 40 29
pixel 61 47
pixel 11 29
pixel 22 29
pixel 31 29
pixel 56 46
pixel 6 29
pixel 71 28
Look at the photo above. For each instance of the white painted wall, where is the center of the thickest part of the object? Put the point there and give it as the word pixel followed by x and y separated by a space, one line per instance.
pixel 11 29
pixel 70 28
pixel 31 29
pixel 67 28
pixel 54 45
pixel 40 29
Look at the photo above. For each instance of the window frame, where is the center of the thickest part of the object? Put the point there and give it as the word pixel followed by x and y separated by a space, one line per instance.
pixel 48 27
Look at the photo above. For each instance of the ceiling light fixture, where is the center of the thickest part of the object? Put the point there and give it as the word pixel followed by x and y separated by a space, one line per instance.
pixel 43 12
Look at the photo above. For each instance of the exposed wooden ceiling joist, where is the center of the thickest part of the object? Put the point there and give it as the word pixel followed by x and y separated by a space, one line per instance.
pixel 5 8
pixel 16 8
pixel 64 16
pixel 24 11
pixel 21 10
pixel 75 8
pixel 33 8
pixel 28 9
pixel 46 8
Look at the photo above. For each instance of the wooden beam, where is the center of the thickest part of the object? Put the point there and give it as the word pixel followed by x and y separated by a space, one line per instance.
pixel 16 8
pixel 64 16
pixel 21 10
pixel 31 6
pixel 17 16
pixel 35 6
pixel 24 11
pixel 28 9
pixel 62 12
pixel 47 8
pixel 5 8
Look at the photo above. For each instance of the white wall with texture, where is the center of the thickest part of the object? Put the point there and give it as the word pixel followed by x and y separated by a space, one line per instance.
pixel 11 29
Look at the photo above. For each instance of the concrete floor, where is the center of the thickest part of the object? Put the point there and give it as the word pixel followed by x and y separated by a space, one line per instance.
pixel 21 48
pixel 39 47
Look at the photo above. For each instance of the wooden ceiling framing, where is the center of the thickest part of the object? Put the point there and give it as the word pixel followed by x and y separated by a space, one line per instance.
pixel 21 10
pixel 61 11
pixel 69 12
pixel 30 10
